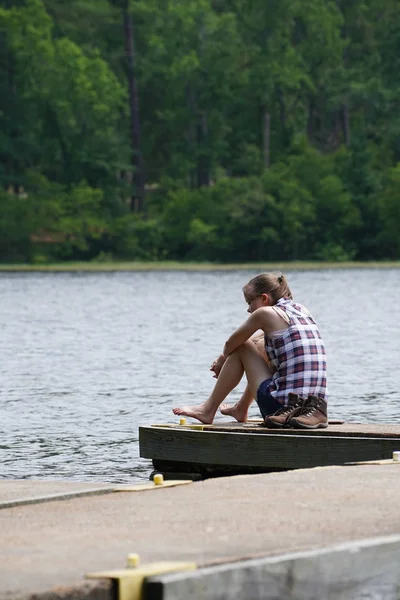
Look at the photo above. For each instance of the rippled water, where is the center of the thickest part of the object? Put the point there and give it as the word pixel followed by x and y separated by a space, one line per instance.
pixel 87 358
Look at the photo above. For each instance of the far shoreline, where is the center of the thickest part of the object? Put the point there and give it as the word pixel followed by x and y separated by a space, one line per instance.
pixel 119 266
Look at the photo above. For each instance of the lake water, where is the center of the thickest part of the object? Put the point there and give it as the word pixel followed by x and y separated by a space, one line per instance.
pixel 88 357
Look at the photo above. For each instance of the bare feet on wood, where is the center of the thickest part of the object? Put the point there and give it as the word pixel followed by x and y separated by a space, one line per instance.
pixel 199 412
pixel 234 411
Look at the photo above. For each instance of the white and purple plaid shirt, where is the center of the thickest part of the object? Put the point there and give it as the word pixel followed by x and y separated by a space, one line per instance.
pixel 298 356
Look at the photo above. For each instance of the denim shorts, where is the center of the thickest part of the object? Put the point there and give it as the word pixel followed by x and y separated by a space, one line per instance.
pixel 266 403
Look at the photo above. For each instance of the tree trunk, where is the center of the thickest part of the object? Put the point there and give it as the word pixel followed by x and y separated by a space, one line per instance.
pixel 282 108
pixel 137 201
pixel 6 158
pixel 191 137
pixel 203 167
pixel 345 110
pixel 203 158
pixel 346 124
pixel 67 159
pixel 284 135
pixel 266 137
pixel 310 120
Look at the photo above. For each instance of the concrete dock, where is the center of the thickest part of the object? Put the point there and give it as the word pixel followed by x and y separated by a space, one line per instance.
pixel 53 533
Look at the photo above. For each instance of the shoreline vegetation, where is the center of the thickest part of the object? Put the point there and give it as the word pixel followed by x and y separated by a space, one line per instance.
pixel 194 266
pixel 199 131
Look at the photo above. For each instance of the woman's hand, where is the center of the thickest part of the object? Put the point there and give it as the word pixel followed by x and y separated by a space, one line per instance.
pixel 217 365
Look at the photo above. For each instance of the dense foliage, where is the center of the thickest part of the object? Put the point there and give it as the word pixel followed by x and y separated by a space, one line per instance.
pixel 227 130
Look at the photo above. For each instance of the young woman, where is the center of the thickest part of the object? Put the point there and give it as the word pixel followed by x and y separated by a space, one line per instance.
pixel 289 381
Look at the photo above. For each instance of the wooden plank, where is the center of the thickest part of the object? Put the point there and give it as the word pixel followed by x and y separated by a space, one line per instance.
pixel 266 451
pixel 345 429
pixel 385 430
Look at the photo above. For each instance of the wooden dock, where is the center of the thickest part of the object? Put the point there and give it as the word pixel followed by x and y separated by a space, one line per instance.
pixel 202 451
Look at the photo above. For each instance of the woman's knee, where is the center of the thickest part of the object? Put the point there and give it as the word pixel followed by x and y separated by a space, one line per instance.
pixel 246 347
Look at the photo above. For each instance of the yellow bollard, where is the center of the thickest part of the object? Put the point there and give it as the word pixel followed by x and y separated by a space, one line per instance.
pixel 182 421
pixel 158 479
pixel 132 561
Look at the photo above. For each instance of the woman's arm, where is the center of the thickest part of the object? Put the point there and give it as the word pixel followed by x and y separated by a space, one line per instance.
pixel 264 318
pixel 242 334
pixel 257 339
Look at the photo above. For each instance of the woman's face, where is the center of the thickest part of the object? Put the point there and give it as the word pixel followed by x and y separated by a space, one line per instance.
pixel 257 301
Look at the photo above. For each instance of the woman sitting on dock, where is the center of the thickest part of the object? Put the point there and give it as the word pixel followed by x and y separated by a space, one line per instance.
pixel 289 381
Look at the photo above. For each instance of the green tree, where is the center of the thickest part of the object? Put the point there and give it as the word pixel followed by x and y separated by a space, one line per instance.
pixel 64 110
pixel 388 240
pixel 187 56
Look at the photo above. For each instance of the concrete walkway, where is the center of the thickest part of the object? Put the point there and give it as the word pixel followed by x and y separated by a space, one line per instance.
pixel 47 547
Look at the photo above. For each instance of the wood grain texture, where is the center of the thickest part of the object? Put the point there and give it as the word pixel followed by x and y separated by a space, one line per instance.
pixel 384 430
pixel 255 450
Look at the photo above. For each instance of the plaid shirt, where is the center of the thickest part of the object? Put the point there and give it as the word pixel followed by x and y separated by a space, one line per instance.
pixel 298 356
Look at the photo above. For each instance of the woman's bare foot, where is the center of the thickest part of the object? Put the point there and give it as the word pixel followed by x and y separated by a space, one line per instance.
pixel 234 411
pixel 200 412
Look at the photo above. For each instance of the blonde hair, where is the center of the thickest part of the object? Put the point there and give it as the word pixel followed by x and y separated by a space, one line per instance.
pixel 273 284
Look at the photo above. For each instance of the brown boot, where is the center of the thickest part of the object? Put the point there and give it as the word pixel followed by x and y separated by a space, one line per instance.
pixel 313 415
pixel 282 416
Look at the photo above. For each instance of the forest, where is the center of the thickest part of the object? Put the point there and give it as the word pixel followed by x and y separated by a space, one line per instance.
pixel 199 130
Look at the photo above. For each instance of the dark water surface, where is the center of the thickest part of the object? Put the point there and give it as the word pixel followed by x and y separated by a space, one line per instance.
pixel 87 358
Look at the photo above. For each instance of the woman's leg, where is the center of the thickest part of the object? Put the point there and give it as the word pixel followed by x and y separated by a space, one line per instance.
pixel 245 358
pixel 240 409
